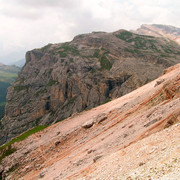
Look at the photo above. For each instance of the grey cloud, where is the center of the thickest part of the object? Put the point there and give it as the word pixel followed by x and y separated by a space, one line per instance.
pixel 67 4
pixel 36 9
pixel 23 14
pixel 39 22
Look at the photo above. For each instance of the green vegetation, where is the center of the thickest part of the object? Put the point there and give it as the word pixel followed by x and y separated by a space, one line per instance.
pixel 20 88
pixel 8 73
pixel 71 60
pixel 132 50
pixel 7 77
pixel 62 53
pixel 45 48
pixel 3 92
pixel 7 150
pixel 124 35
pixel 93 71
pixel 96 53
pixel 106 101
pixel 51 82
pixel 105 63
pixel 13 168
pixel 23 136
pixel 21 80
pixel 139 42
pixel 41 91
pixel 68 49
pixel 142 43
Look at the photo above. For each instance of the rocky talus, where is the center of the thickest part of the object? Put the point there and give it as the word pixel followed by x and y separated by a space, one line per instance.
pixel 59 80
pixel 132 137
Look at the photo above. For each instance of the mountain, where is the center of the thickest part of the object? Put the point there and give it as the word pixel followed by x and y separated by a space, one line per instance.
pixel 159 30
pixel 60 80
pixel 19 63
pixel 133 137
pixel 7 76
pixel 8 73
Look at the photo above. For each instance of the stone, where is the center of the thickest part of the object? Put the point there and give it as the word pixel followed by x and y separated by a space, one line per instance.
pixel 57 143
pixel 88 124
pixel 42 173
pixel 102 117
pixel 90 151
pixel 97 158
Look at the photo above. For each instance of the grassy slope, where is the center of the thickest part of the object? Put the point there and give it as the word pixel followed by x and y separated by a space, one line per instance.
pixel 6 149
pixel 8 73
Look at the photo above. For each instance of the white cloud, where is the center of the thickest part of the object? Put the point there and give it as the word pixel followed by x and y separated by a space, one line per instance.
pixel 28 24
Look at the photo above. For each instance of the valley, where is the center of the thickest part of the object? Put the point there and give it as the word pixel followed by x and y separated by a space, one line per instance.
pixel 8 74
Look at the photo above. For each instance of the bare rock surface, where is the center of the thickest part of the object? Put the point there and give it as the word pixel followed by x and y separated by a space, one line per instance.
pixel 158 30
pixel 138 138
pixel 155 157
pixel 59 80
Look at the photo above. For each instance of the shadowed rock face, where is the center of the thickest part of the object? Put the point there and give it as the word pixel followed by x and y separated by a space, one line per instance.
pixel 59 80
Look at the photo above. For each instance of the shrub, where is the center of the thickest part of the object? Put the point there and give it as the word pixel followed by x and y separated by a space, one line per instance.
pixel 6 152
pixel 105 63
pixel 51 82
pixel 20 88
pixel 124 35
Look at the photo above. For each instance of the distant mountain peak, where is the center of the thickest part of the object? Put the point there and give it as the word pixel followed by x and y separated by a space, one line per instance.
pixel 160 30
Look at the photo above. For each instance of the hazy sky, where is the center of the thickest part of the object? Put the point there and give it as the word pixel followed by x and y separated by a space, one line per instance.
pixel 29 24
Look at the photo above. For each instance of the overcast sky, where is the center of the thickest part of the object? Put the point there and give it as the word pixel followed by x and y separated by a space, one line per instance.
pixel 29 24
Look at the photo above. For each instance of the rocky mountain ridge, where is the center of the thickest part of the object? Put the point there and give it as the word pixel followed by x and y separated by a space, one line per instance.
pixel 134 136
pixel 59 80
pixel 159 30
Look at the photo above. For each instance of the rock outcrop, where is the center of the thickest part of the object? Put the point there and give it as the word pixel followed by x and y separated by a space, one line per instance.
pixel 133 137
pixel 59 80
pixel 159 30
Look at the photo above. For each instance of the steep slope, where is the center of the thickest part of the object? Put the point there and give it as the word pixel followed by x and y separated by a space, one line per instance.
pixel 73 148
pixel 59 80
pixel 7 76
pixel 159 30
pixel 155 157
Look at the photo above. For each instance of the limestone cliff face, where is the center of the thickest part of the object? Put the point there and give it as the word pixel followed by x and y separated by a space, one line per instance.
pixel 59 80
